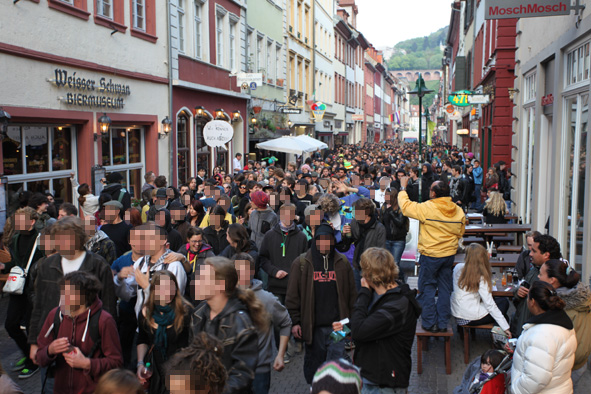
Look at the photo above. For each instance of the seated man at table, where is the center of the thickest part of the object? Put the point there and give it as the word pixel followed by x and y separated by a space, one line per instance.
pixel 442 224
pixel 544 248
pixel 524 260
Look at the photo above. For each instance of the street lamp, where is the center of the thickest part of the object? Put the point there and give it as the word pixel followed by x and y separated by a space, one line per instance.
pixel 104 122
pixel 420 90
pixel 166 127
pixel 4 120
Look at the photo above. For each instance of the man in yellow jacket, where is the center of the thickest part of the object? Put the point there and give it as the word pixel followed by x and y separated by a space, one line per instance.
pixel 442 224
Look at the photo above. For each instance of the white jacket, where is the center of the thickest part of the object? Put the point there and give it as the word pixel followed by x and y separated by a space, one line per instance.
pixel 91 205
pixel 544 357
pixel 474 306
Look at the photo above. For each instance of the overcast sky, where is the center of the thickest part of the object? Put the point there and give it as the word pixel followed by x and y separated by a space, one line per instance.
pixel 387 22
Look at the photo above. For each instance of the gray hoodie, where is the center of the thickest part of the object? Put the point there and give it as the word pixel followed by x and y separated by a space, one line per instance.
pixel 279 319
pixel 260 222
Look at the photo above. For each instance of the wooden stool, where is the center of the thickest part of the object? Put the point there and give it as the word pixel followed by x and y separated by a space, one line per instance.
pixel 422 337
pixel 466 330
pixel 509 249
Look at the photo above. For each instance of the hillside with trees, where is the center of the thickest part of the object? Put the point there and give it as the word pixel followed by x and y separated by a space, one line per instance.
pixel 419 53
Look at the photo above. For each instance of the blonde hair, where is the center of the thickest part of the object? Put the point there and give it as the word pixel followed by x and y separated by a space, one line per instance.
pixel 476 267
pixel 496 204
pixel 379 267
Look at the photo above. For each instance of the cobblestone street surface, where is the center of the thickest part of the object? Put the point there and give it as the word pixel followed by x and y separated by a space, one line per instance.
pixel 433 380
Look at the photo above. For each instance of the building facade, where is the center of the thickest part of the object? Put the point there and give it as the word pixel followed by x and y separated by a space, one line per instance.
pixel 57 87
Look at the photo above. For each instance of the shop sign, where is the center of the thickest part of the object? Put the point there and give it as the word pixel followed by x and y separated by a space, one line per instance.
pixel 547 100
pixel 504 9
pixel 478 99
pixel 249 78
pixel 88 92
pixel 357 118
pixel 290 110
pixel 318 110
pixel 217 133
pixel 460 99
pixel 456 115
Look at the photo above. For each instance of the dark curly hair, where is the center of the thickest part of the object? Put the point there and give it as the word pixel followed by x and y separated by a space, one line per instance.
pixel 548 244
pixel 201 362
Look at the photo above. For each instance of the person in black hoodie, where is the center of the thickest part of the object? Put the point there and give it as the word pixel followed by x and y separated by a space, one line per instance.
pixel 239 242
pixel 117 191
pixel 178 215
pixel 163 219
pixel 383 323
pixel 396 224
pixel 216 233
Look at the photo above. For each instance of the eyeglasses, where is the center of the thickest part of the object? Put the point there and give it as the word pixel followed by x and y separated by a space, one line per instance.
pixel 243 187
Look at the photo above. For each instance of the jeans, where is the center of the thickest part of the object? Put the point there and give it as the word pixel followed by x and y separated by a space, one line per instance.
pixel 321 350
pixel 477 204
pixel 396 248
pixel 261 383
pixel 373 389
pixel 18 313
pixel 435 274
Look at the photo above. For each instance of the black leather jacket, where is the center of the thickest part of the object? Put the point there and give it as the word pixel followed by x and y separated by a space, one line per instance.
pixel 235 330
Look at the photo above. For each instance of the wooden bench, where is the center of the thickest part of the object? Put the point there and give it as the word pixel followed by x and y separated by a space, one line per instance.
pixel 503 239
pixel 423 336
pixel 473 240
pixel 509 249
pixel 466 331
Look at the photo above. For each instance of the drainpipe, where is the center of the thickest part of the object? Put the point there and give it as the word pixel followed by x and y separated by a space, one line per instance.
pixel 173 179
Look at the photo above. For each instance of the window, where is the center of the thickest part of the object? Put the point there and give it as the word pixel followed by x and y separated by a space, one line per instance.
pixel 139 14
pixel 183 148
pixel 220 40
pixel 181 18
pixel 530 88
pixel 270 68
pixel 105 8
pixel 260 62
pixel 122 152
pixel 38 159
pixel 202 148
pixel 577 65
pixel 233 46
pixel 278 63
pixel 198 24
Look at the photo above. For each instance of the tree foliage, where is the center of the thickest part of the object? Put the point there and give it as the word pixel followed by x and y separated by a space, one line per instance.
pixel 419 53
pixel 428 99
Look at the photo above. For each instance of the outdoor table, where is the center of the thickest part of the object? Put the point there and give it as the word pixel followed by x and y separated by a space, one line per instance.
pixel 502 261
pixel 489 230
pixel 478 217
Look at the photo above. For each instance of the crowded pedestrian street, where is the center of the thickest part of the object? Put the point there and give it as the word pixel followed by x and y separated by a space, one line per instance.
pixel 295 196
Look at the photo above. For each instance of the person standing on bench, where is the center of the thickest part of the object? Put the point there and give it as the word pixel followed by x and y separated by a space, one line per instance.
pixel 442 224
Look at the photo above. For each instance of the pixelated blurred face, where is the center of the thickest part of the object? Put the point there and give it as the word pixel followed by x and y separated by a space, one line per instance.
pixel 372 194
pixel 300 189
pixel 207 190
pixel 206 285
pixel 287 216
pixel 66 243
pixel 367 181
pixel 111 213
pixel 361 215
pixel 89 225
pixel 284 197
pixel 22 222
pixel 224 203
pixel 195 243
pixel 160 202
pixel 127 217
pixel 169 194
pixel 177 214
pixel 315 217
pixel 217 193
pixel 384 184
pixel 152 241
pixel 160 219
pixel 46 243
pixel 71 299
pixel 186 199
pixel 164 290
pixel 273 200
pixel 185 384
pixel 245 273
pixel 354 179
pixel 216 220
pixel 389 199
pixel 138 241
pixel 324 244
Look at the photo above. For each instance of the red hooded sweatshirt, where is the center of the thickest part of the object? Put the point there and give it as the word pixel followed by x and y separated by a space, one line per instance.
pixel 77 381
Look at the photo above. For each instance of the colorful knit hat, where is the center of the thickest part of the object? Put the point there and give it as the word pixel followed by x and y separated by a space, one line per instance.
pixel 260 199
pixel 337 377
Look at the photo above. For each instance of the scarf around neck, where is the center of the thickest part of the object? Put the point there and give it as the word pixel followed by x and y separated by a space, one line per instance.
pixel 164 317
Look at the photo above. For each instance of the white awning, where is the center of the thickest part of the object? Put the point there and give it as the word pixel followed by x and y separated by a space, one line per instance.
pixel 293 145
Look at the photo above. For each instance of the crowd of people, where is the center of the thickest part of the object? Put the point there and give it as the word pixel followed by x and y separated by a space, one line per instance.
pixel 210 286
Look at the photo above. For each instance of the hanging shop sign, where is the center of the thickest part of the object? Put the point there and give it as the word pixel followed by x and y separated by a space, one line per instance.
pixel 217 133
pixel 505 9
pixel 357 118
pixel 318 109
pixel 88 92
pixel 478 99
pixel 460 99
pixel 249 78
pixel 290 110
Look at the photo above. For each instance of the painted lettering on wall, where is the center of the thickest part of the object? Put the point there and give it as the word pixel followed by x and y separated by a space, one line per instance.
pixel 107 94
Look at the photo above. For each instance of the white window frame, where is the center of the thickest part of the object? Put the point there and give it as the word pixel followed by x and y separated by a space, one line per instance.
pixel 585 60
pixel 270 69
pixel 529 88
pixel 139 16
pixel 181 26
pixel 259 54
pixel 198 32
pixel 100 8
pixel 232 46
pixel 219 38
pixel 278 64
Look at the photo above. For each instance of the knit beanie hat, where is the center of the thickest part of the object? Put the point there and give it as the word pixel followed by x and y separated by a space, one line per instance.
pixel 337 377
pixel 260 199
